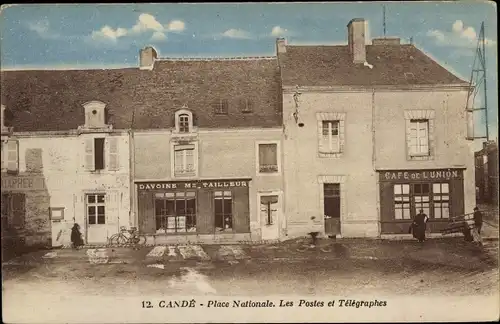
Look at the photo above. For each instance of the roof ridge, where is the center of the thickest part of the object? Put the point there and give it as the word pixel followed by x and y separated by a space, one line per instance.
pixel 233 58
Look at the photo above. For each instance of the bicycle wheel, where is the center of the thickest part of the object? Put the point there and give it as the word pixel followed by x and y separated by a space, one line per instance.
pixel 113 240
pixel 141 239
pixel 121 239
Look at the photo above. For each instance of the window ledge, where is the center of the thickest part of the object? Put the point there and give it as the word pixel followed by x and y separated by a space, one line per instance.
pixel 330 154
pixel 420 157
pixel 277 173
pixel 91 130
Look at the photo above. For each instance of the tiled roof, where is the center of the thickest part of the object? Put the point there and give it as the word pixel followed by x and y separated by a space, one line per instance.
pixel 52 100
pixel 333 66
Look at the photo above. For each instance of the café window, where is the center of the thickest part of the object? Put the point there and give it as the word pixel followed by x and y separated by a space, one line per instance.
pixel 268 159
pixel 96 209
pixel 441 200
pixel 175 212
pixel 223 210
pixel 184 160
pixel 402 201
pixel 421 196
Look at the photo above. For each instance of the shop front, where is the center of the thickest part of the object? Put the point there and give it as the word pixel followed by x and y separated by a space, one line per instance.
pixel 194 207
pixel 403 193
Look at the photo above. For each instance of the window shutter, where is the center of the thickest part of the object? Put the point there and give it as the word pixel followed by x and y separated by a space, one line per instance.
pixel 18 209
pixel 341 135
pixel 114 161
pixel 13 156
pixel 147 220
pixel 89 155
pixel 409 136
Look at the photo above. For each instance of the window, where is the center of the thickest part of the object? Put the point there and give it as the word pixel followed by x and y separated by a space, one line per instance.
pixel 268 208
pixel 441 200
pixel 419 137
pixel 13 212
pixel 223 210
pixel 184 123
pixel 331 140
pixel 184 160
pixel 99 153
pixel 175 212
pixel 402 201
pixel 96 209
pixel 268 158
pixel 331 196
pixel 246 106
pixel 10 156
pixel 421 196
pixel 221 107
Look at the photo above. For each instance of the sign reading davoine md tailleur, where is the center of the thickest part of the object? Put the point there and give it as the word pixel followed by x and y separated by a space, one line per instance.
pixel 200 184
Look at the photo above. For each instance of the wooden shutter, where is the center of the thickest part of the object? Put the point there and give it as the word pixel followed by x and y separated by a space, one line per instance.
pixel 18 209
pixel 114 161
pixel 341 135
pixel 89 155
pixel 147 220
pixel 241 210
pixel 205 212
pixel 13 156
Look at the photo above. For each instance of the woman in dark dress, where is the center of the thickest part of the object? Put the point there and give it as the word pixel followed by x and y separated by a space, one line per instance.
pixel 76 236
pixel 419 225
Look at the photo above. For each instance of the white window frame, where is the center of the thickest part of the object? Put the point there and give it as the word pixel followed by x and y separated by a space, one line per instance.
pixel 96 205
pixel 330 136
pixel 195 160
pixel 257 158
pixel 423 114
pixel 418 149
pixel 178 114
pixel 332 152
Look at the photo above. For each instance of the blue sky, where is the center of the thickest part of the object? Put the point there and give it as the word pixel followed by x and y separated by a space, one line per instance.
pixel 89 36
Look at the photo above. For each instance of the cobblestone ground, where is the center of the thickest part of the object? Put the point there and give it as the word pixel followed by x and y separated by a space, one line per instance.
pixel 440 267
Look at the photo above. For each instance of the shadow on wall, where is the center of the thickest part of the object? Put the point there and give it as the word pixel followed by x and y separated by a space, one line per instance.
pixel 25 206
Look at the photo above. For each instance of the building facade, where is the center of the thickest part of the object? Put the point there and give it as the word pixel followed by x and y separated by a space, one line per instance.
pixel 486 162
pixel 209 168
pixel 62 161
pixel 364 152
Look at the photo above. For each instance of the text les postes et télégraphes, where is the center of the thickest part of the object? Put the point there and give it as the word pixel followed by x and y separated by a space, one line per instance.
pixel 266 303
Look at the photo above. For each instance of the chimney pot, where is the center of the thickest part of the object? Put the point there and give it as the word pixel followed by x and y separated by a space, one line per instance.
pixel 356 40
pixel 281 45
pixel 147 57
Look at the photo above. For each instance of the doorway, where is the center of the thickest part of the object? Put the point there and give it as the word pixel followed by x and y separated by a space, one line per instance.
pixel 270 214
pixel 96 224
pixel 331 208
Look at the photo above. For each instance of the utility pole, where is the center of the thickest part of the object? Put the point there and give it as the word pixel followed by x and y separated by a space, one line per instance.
pixel 383 10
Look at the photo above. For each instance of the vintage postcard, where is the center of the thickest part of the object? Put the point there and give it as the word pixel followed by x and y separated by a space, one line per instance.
pixel 249 162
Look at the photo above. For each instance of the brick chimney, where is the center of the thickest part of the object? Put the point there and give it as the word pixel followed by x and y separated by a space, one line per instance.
pixel 356 40
pixel 147 57
pixel 280 45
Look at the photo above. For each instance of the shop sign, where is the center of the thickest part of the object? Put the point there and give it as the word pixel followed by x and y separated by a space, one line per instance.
pixel 421 175
pixel 202 184
pixel 22 183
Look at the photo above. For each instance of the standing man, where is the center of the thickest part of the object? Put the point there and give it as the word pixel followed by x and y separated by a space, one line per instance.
pixel 419 225
pixel 478 219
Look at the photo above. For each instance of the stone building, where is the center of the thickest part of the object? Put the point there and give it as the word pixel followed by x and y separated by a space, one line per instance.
pixel 373 134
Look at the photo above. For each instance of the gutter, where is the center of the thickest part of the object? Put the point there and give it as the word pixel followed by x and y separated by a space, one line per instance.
pixel 365 88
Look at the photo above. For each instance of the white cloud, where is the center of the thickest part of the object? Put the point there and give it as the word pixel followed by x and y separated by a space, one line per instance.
pixel 459 36
pixel 146 23
pixel 42 28
pixel 236 33
pixel 176 25
pixel 158 36
pixel 109 33
pixel 278 31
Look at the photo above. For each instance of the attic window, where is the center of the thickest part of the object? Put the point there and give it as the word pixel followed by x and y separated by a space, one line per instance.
pixel 246 106
pixel 409 76
pixel 95 115
pixel 183 121
pixel 221 107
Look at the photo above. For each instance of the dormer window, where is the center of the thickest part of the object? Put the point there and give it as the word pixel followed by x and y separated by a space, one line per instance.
pixel 183 121
pixel 95 116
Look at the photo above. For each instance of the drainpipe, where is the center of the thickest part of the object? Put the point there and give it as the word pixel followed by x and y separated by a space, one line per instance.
pixel 374 162
pixel 132 201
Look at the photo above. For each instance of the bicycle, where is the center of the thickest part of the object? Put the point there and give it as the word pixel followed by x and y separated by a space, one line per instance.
pixel 134 237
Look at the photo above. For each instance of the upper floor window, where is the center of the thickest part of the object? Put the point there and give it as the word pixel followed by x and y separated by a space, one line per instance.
pixel 331 140
pixel 331 134
pixel 268 158
pixel 101 153
pixel 419 137
pixel 221 107
pixel 10 156
pixel 246 106
pixel 184 160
